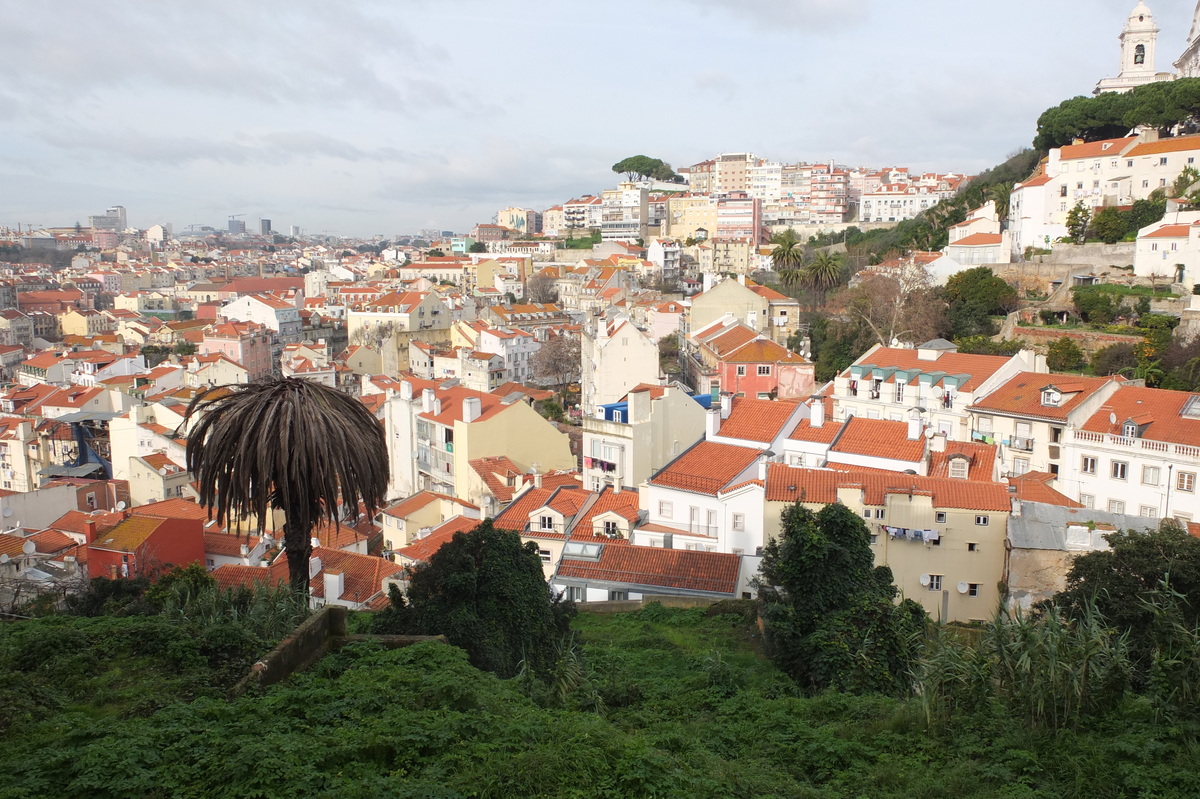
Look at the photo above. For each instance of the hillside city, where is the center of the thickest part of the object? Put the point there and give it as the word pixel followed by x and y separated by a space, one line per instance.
pixel 639 380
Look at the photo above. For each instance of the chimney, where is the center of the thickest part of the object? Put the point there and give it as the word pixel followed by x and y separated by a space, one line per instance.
pixel 762 468
pixel 314 542
pixel 537 480
pixel 726 405
pixel 708 280
pixel 89 531
pixel 742 279
pixel 437 407
pixel 314 567
pixel 816 416
pixel 712 426
pixel 472 407
pixel 639 407
pixel 427 401
pixel 937 443
pixel 914 429
pixel 335 584
pixel 406 390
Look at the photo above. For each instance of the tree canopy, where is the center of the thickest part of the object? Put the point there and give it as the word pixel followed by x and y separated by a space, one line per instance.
pixel 1111 115
pixel 643 166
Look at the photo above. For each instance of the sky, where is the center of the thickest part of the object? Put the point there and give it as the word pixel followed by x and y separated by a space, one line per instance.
pixel 382 118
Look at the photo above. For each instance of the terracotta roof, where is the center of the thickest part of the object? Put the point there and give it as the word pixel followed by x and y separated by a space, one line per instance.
pixel 763 350
pixel 51 542
pixel 419 500
pixel 981 460
pixel 978 240
pixel 789 484
pixel 711 572
pixel 510 387
pixel 1170 232
pixel 707 467
pixel 239 576
pixel 73 520
pixel 496 472
pixel 423 549
pixel 978 368
pixel 228 545
pixel 757 419
pixel 879 438
pixel 172 509
pixel 1159 411
pixel 1175 145
pixel 1021 395
pixel 1035 487
pixel 734 337
pixel 824 434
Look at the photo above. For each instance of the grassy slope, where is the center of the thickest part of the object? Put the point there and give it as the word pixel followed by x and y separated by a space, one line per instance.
pixel 676 704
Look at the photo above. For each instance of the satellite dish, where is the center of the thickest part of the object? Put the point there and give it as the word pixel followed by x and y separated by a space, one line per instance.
pixel 29 547
pixel 929 432
pixel 962 588
pixel 925 580
pixel 7 512
pixel 121 505
pixel 939 392
pixel 1112 418
pixel 3 559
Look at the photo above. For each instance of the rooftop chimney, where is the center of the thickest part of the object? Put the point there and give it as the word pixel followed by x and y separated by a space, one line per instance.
pixel 937 443
pixel 427 401
pixel 914 429
pixel 406 390
pixel 335 584
pixel 472 408
pixel 726 405
pixel 816 416
pixel 712 423
pixel 89 531
pixel 314 567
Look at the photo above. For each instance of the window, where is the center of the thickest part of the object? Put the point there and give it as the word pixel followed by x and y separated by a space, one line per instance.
pixel 741 371
pixel 972 546
pixel 1020 466
pixel 867 513
pixel 547 522
pixel 1056 435
pixel 1087 500
pixel 1050 398
pixel 1130 430
pixel 1161 161
pixel 1120 470
pixel 1088 465
pixel 618 596
pixel 984 424
pixel 764 369
pixel 739 522
pixel 544 554
pixel 1116 506
pixel 879 513
pixel 1062 191
pixel 981 521
pixel 664 509
pixel 972 589
pixel 1186 481
pixel 610 529
pixel 940 517
pixel 935 582
pixel 1148 512
pixel 1150 475
pixel 576 593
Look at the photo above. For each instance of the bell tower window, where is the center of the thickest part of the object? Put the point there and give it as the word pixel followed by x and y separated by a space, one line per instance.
pixel 1139 54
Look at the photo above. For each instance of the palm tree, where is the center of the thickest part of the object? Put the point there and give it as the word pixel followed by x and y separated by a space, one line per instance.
pixel 290 445
pixel 824 271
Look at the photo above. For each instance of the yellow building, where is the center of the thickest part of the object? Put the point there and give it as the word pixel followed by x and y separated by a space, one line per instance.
pixel 688 214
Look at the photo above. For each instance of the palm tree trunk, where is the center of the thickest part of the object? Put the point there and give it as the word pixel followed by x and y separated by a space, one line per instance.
pixel 298 550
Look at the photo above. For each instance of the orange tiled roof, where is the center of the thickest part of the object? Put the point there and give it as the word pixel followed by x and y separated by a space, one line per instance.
pixel 978 240
pixel 1170 232
pixel 1021 395
pixel 422 549
pixel 228 545
pixel 789 484
pixel 1158 411
pixel 757 419
pixel 172 509
pixel 1175 145
pixel 981 460
pixel 1035 487
pixel 710 572
pixel 879 438
pixel 706 468
pixel 978 368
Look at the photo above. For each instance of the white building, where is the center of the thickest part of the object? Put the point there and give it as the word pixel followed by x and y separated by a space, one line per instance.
pixel 1139 40
pixel 1170 248
pixel 616 357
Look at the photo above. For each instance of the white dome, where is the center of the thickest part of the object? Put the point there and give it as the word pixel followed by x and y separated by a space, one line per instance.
pixel 1140 19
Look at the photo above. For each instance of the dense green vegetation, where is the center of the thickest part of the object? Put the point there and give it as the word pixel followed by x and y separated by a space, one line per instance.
pixel 1111 114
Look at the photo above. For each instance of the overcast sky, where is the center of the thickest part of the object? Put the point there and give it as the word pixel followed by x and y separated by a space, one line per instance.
pixel 365 118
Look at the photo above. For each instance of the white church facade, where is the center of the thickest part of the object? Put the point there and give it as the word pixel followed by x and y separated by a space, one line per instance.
pixel 1139 41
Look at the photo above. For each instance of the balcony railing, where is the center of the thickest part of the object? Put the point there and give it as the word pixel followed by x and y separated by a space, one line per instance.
pixel 1182 451
pixel 1021 444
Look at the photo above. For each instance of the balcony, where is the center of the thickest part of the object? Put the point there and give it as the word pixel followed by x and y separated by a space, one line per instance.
pixel 1156 449
pixel 1021 444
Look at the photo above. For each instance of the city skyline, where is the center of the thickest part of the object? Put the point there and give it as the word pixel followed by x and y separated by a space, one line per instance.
pixel 385 122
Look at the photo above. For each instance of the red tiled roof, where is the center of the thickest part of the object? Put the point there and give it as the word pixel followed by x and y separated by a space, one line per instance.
pixel 711 572
pixel 1159 411
pixel 1174 145
pixel 757 419
pixel 73 520
pixel 978 367
pixel 51 542
pixel 879 438
pixel 978 240
pixel 1022 395
pixel 789 484
pixel 172 509
pixel 422 550
pixel 981 460
pixel 496 471
pixel 707 467
pixel 227 545
pixel 1170 232
pixel 1098 148
pixel 1034 487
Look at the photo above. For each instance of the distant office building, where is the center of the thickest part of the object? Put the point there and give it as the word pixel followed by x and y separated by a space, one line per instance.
pixel 236 226
pixel 264 227
pixel 112 219
pixel 294 231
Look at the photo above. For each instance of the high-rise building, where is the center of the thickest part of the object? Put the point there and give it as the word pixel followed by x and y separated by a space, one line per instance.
pixel 112 219
pixel 236 226
pixel 264 227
